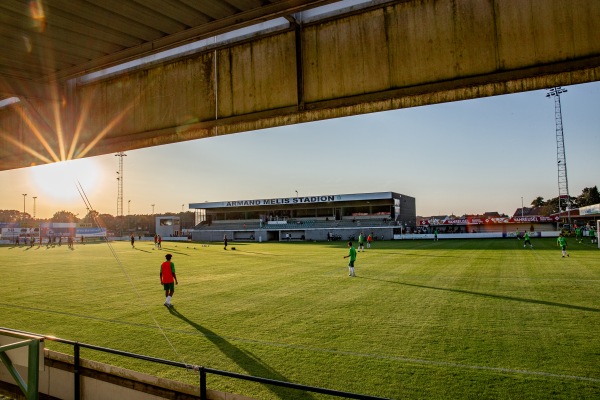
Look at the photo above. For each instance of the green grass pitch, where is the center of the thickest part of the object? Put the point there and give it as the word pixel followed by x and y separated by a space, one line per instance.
pixel 455 319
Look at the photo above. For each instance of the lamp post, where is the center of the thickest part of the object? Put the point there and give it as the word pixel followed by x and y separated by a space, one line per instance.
pixel 129 216
pixel 521 206
pixel 296 193
pixel 181 221
pixel 34 197
pixel 153 221
pixel 24 195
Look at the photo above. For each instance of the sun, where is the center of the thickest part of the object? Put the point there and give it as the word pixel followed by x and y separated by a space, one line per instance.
pixel 58 181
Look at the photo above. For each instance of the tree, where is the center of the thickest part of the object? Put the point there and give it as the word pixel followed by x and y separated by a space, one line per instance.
pixel 64 216
pixel 91 217
pixel 10 216
pixel 549 207
pixel 588 197
pixel 538 201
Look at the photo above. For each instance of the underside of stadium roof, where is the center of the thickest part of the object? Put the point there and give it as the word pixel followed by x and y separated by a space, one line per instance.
pixel 46 41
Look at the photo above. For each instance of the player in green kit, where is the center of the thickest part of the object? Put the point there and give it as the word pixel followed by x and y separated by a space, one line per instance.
pixel 352 255
pixel 593 235
pixel 578 234
pixel 562 242
pixel 526 238
pixel 361 242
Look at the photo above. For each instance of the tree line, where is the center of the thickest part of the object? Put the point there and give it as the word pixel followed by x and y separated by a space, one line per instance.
pixel 137 224
pixel 145 224
pixel 589 196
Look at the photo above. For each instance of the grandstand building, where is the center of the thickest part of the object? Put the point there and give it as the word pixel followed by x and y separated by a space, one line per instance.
pixel 323 217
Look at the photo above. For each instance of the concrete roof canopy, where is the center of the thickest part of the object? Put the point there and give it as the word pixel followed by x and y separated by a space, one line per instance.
pixel 46 41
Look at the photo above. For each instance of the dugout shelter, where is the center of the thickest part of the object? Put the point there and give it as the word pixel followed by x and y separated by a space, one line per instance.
pixel 319 217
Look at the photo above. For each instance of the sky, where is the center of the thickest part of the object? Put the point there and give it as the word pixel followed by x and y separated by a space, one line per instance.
pixel 467 157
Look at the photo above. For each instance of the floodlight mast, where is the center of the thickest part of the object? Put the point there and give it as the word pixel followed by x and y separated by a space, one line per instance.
pixel 120 184
pixel 561 159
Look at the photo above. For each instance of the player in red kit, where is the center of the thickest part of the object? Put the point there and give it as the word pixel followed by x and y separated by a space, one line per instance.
pixel 168 279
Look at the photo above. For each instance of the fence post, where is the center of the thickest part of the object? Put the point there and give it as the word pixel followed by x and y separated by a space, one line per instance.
pixel 33 367
pixel 77 382
pixel 202 384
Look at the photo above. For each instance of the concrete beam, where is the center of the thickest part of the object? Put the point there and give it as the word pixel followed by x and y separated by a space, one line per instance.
pixel 382 58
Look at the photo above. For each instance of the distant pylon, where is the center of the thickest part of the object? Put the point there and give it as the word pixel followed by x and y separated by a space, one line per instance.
pixel 561 158
pixel 120 184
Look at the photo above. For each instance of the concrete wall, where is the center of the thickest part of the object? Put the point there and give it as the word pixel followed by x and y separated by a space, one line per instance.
pixel 483 235
pixel 405 54
pixel 103 382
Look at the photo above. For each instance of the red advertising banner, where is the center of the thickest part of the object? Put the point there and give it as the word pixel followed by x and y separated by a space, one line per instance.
pixel 486 221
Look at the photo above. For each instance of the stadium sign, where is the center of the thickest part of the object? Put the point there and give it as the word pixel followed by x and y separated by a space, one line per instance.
pixel 280 201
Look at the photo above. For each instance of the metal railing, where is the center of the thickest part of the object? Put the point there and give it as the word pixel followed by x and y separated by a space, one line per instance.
pixel 202 371
pixel 30 386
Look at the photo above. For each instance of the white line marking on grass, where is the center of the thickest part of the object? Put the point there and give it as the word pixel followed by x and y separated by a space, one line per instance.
pixel 321 350
pixel 467 366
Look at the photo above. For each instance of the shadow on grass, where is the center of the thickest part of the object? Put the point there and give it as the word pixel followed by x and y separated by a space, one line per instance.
pixel 495 296
pixel 138 249
pixel 429 255
pixel 257 252
pixel 479 244
pixel 246 360
pixel 170 250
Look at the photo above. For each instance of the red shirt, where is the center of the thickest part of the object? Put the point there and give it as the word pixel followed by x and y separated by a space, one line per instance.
pixel 167 269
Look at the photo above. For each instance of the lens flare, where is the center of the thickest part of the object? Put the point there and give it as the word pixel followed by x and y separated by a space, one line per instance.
pixel 56 181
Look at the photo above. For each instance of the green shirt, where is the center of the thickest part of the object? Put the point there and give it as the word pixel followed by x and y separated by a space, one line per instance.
pixel 352 253
pixel 361 238
pixel 526 237
pixel 592 232
pixel 561 241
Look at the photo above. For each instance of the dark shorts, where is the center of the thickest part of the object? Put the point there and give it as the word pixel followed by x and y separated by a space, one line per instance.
pixel 169 286
pixel 564 248
pixel 351 264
